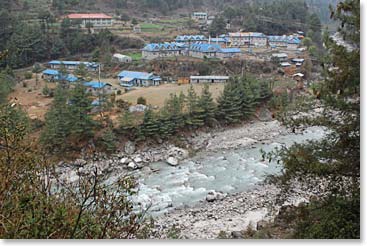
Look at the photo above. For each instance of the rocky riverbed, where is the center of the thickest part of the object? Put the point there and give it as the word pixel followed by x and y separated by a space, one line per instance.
pixel 220 188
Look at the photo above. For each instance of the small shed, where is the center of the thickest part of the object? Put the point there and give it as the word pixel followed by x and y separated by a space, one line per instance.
pixel 208 79
pixel 121 58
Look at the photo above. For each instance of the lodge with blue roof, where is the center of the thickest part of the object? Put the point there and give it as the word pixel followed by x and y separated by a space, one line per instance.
pixel 191 39
pixel 54 76
pixel 134 78
pixel 154 50
pixel 98 87
pixel 72 65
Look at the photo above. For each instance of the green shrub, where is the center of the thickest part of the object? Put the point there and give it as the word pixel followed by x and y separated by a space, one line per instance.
pixel 142 100
pixel 28 75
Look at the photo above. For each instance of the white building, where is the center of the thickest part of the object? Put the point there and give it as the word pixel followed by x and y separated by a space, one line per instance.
pixel 96 19
pixel 208 79
pixel 200 16
pixel 122 58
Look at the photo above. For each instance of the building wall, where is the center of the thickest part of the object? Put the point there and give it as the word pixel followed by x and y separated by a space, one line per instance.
pixel 97 22
pixel 198 81
pixel 150 55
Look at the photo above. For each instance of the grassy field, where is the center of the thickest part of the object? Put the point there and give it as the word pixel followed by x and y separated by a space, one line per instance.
pixel 157 95
pixel 135 56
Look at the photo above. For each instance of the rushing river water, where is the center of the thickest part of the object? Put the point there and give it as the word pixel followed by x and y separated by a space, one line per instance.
pixel 227 171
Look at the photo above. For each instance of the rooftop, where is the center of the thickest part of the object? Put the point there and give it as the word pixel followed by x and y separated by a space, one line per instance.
pixel 162 46
pixel 89 16
pixel 205 47
pixel 96 84
pixel 135 75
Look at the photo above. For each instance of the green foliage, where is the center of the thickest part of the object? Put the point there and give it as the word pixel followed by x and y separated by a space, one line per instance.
pixel 337 156
pixel 6 85
pixel 141 100
pixel 68 122
pixel 336 218
pixel 218 26
pixel 207 105
pixel 150 126
pixel 28 75
pixel 195 113
pixel 108 141
pixel 86 209
pixel 127 124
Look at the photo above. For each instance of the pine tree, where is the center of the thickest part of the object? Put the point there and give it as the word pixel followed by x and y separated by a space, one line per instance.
pixel 108 141
pixel 248 98
pixel 57 127
pixel 150 126
pixel 207 104
pixel 127 124
pixel 195 114
pixel 80 106
pixel 229 104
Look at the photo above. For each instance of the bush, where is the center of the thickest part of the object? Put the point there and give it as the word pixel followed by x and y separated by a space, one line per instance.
pixel 28 75
pixel 142 100
pixel 119 92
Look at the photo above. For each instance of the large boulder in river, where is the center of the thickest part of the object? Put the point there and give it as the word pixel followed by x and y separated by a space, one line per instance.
pixel 129 148
pixel 178 153
pixel 172 161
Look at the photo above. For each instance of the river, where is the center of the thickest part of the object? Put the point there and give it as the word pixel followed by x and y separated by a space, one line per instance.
pixel 227 171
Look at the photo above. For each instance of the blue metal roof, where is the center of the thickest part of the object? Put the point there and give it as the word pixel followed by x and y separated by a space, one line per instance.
pixel 73 63
pixel 50 72
pixel 230 50
pixel 187 38
pixel 95 84
pixel 219 40
pixel 205 47
pixel 69 77
pixel 285 39
pixel 161 46
pixel 135 75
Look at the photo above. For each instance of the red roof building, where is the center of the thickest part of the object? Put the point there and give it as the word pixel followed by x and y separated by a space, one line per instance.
pixel 96 19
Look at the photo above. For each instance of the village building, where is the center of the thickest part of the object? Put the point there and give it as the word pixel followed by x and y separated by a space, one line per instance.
pixel 54 76
pixel 285 64
pixel 213 51
pixel 204 50
pixel 227 53
pixel 199 16
pixel 121 58
pixel 222 41
pixel 97 88
pixel 245 39
pixel 95 19
pixel 133 78
pixel 279 57
pixel 72 65
pixel 208 79
pixel 153 51
pixel 286 42
pixel 190 39
pixel 50 74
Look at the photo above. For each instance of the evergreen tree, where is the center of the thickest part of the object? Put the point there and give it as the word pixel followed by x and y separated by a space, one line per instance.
pixel 150 126
pixel 57 127
pixel 80 120
pixel 207 104
pixel 195 113
pixel 108 141
pixel 229 103
pixel 127 124
pixel 248 99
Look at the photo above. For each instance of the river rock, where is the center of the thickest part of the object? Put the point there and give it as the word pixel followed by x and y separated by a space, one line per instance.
pixel 130 148
pixel 212 196
pixel 172 161
pixel 138 159
pixel 124 160
pixel 132 166
pixel 236 234
pixel 80 162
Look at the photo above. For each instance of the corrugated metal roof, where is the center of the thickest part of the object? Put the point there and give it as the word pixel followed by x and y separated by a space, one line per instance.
pixel 89 16
pixel 96 84
pixel 135 75
pixel 187 38
pixel 50 72
pixel 162 46
pixel 205 47
pixel 230 50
